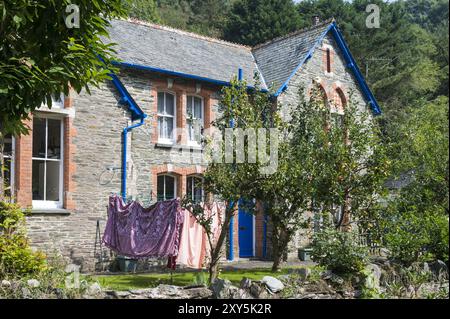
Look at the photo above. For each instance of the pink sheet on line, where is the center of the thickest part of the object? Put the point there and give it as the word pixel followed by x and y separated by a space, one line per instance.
pixel 194 246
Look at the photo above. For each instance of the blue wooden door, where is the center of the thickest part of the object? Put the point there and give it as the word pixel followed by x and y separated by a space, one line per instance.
pixel 245 233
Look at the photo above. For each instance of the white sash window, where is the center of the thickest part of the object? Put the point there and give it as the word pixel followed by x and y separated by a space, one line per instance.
pixel 47 175
pixel 195 119
pixel 166 117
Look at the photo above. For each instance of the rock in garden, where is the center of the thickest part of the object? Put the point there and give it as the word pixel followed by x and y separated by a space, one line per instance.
pixel 240 294
pixel 245 283
pixel 198 293
pixel 120 294
pixel 273 284
pixel 5 283
pixel 221 288
pixel 373 277
pixel 95 289
pixel 33 283
pixel 439 268
pixel 256 290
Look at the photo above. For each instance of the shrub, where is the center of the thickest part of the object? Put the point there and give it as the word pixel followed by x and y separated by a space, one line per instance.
pixel 17 259
pixel 339 251
pixel 412 237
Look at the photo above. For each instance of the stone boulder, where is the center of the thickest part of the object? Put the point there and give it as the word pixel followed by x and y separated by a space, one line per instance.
pixel 202 292
pixel 273 284
pixel 439 268
pixel 245 283
pixel 372 280
pixel 33 283
pixel 258 290
pixel 95 289
pixel 222 289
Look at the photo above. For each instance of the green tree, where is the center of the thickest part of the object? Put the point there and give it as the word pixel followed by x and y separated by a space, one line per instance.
pixel 253 22
pixel 41 56
pixel 145 10
pixel 330 165
pixel 230 180
pixel 417 216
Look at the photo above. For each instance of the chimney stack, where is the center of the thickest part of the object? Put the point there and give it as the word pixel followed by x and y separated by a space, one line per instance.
pixel 315 20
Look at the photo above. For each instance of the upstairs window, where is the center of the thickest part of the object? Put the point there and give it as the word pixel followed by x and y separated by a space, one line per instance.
pixel 194 189
pixel 166 188
pixel 194 118
pixel 57 101
pixel 47 163
pixel 166 117
pixel 8 157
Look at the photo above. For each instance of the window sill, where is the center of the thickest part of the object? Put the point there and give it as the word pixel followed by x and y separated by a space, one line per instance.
pixel 180 147
pixel 49 211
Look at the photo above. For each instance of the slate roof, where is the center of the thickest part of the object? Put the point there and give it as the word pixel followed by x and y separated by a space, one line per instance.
pixel 158 48
pixel 179 51
pixel 278 59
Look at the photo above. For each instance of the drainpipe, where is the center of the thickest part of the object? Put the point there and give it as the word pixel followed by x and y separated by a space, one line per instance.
pixel 124 155
pixel 230 234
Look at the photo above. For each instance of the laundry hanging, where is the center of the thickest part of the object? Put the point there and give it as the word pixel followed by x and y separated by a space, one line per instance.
pixel 194 245
pixel 138 232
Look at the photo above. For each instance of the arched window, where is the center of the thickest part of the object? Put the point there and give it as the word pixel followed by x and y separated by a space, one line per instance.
pixel 166 117
pixel 194 118
pixel 194 188
pixel 319 95
pixel 167 187
pixel 339 100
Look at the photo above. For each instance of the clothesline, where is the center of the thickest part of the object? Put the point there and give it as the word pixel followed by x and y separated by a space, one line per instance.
pixel 163 230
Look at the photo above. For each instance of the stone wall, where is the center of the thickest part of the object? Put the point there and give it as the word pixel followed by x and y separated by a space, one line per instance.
pixel 97 126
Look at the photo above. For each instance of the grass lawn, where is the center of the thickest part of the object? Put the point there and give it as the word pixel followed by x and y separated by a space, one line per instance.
pixel 141 281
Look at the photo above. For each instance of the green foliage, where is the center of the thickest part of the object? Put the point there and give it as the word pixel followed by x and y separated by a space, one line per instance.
pixel 416 218
pixel 41 56
pixel 145 10
pixel 411 236
pixel 253 22
pixel 17 259
pixel 339 251
pixel 52 284
pixel 201 16
pixel 200 279
pixel 11 218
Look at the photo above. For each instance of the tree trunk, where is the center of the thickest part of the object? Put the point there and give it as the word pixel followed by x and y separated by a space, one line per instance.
pixel 345 225
pixel 280 240
pixel 216 252
pixel 277 255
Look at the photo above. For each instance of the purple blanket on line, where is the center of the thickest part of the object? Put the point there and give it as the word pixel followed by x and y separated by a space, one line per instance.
pixel 138 232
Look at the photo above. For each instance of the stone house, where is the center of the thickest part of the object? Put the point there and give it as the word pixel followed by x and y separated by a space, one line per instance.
pixel 126 135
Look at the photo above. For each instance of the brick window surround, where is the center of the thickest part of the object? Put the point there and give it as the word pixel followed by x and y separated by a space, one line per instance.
pixel 327 59
pixel 180 173
pixel 23 162
pixel 181 92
